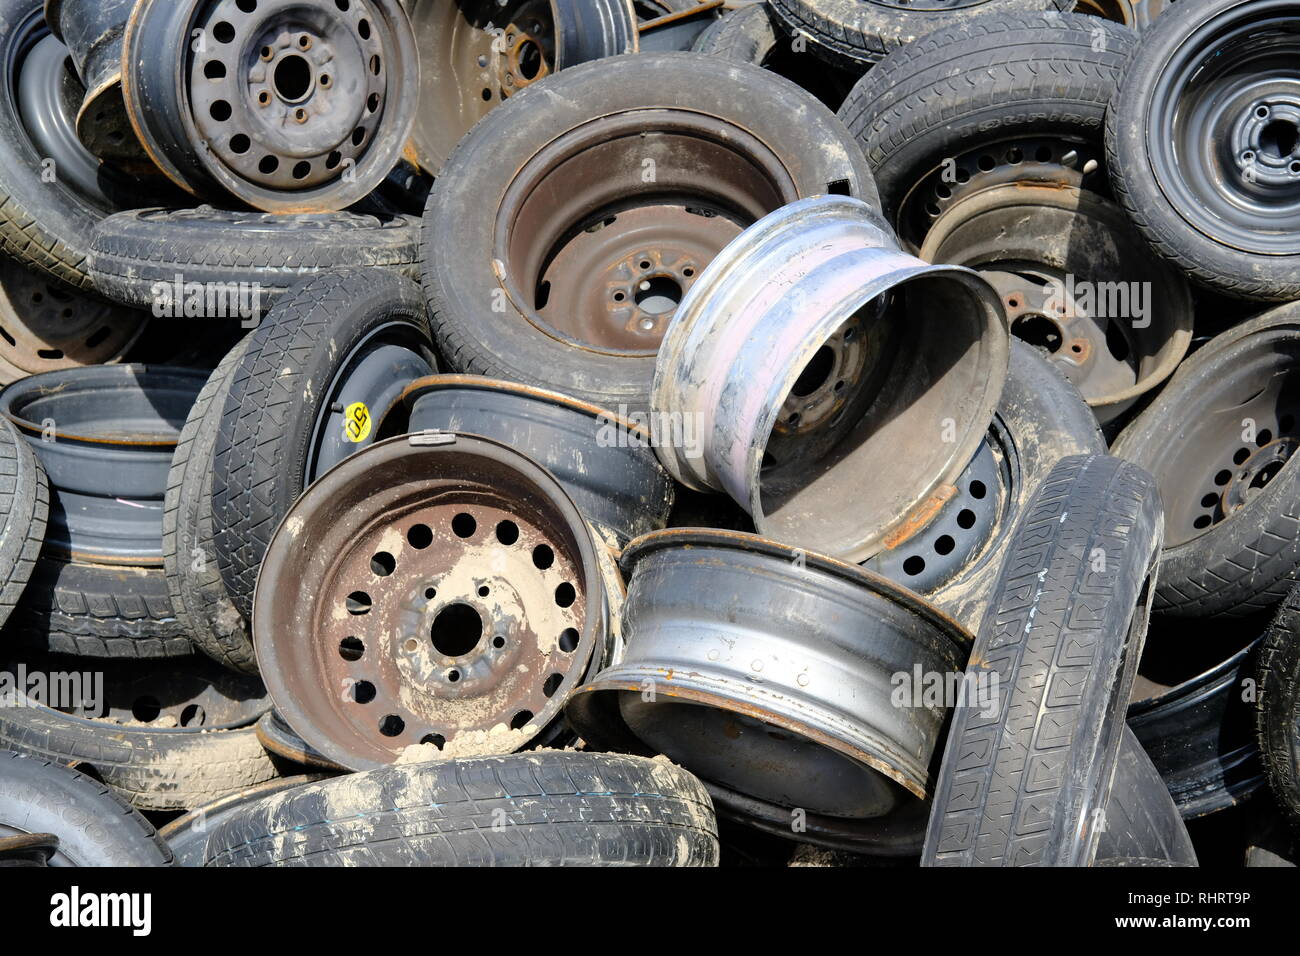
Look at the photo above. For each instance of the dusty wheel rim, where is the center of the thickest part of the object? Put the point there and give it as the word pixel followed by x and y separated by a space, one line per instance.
pixel 45 327
pixel 784 698
pixel 601 265
pixel 1223 130
pixel 783 360
pixel 454 595
pixel 1073 277
pixel 474 55
pixel 604 461
pixel 291 108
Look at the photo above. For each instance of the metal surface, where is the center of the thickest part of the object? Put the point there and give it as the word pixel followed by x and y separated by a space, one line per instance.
pixel 1223 130
pixel 770 673
pixel 283 741
pixel 476 53
pixel 605 463
pixel 667 25
pixel 819 364
pixel 1075 279
pixel 28 850
pixel 1138 14
pixel 435 589
pixel 289 107
pixel 45 326
pixel 106 435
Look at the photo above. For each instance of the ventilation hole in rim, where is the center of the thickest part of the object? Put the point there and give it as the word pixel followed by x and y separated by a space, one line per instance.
pixel 438 740
pixel 247 6
pixel 372 102
pixel 220 111
pixel 1263 438
pixel 977 489
pixel 239 143
pixel 552 684
pixel 986 163
pixel 51 355
pixel 1240 455
pixel 146 709
pixel 1209 501
pixel 565 595
pixel 333 159
pixel 359 602
pixel 962 174
pixel 569 640
pixel 268 165
pixel 383 564
pixel 214 70
pixel 932 209
pixel 965 519
pixel 543 557
pixel 351 648
pixel 942 191
pixel 1223 477
pixel 375 64
pixel 302 170
pixel 838 187
pixel 1015 157
pixel 193 716
pixel 223 32
pixel 1202 521
pixel 363 29
pixel 343 5
pixel 1043 154
pixel 507 532
pixel 4 333
pixel 944 544
pixel 464 525
pixel 456 630
pixel 363 692
pixel 914 565
pixel 520 720
pixel 419 536
pixel 390 725
pixel 358 135
pixel 487 94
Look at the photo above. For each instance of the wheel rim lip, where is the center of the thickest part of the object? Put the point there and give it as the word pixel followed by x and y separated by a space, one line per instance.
pixel 612 130
pixel 294 707
pixel 165 126
pixel 1161 105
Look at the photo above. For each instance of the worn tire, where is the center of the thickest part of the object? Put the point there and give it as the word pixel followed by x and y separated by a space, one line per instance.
pixel 558 808
pixel 1063 635
pixel 130 252
pixel 94 825
pixel 1279 704
pixel 860 32
pixel 95 610
pixel 275 398
pixel 989 79
pixel 24 507
pixel 194 582
pixel 152 768
pixel 460 265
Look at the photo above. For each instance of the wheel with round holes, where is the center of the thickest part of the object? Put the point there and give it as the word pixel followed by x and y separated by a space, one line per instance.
pixel 932 136
pixel 575 216
pixel 289 107
pixel 437 593
pixel 955 559
pixel 1204 140
pixel 1220 438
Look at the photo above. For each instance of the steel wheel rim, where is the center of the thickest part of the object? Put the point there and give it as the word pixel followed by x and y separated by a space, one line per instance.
pixel 1224 142
pixel 27 849
pixel 414 613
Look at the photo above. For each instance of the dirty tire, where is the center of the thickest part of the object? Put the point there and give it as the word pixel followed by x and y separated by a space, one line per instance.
pixel 274 400
pixel 990 78
pixel 94 610
pixel 561 808
pixel 132 251
pixel 95 826
pixel 194 582
pixel 1064 636
pixel 1218 262
pixel 1279 704
pixel 24 507
pixel 153 769
pixel 746 35
pixel 1246 563
pixel 460 278
pixel 1141 820
pixel 860 32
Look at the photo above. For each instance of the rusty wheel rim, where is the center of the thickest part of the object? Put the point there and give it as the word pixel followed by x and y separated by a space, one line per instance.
pixel 600 261
pixel 455 601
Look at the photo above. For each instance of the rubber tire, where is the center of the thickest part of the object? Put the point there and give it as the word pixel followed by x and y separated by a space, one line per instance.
pixel 94 825
pixel 198 593
pixel 131 251
pixel 271 409
pixel 1241 566
pixel 152 768
pixel 861 32
pixel 1216 265
pixel 24 508
pixel 1141 820
pixel 1279 704
pixel 459 278
pixel 989 78
pixel 1024 787
pixel 542 808
pixel 94 610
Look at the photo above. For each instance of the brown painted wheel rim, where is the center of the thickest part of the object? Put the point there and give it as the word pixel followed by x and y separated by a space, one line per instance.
pixel 452 598
pixel 605 229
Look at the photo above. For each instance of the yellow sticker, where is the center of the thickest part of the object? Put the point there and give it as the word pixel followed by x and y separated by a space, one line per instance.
pixel 356 422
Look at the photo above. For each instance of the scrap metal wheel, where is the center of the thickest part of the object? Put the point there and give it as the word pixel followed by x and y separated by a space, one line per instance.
pixel 448 587
pixel 288 107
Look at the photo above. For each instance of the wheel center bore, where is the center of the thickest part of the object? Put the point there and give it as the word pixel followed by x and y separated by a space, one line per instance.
pixel 1255 474
pixel 457 630
pixel 1267 142
pixel 294 78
